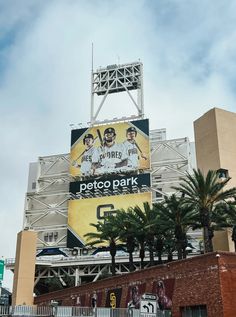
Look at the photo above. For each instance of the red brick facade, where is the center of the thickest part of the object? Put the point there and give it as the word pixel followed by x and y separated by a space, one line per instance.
pixel 208 279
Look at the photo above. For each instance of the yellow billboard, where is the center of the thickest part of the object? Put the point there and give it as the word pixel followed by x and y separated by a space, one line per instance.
pixel 82 212
pixel 114 148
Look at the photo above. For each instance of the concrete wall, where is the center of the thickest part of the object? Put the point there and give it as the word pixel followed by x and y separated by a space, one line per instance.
pixel 206 142
pixel 228 284
pixel 23 283
pixel 215 134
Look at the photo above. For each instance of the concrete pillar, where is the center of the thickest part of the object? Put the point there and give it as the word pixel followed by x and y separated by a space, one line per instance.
pixel 24 271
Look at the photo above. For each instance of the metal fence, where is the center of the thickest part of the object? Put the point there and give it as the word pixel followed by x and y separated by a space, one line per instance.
pixel 73 311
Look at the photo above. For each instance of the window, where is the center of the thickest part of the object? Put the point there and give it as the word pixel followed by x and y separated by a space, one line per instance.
pixel 159 194
pixel 46 237
pixel 223 173
pixel 51 236
pixel 194 311
pixel 34 185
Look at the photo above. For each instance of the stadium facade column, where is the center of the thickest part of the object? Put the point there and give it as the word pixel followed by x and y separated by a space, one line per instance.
pixel 24 272
pixel 215 133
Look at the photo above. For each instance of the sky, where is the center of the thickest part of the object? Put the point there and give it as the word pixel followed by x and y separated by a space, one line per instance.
pixel 187 48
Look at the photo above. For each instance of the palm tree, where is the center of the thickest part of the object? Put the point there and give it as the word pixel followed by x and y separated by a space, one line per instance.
pixel 136 220
pixel 178 217
pixel 126 229
pixel 206 195
pixel 169 245
pixel 106 232
pixel 146 221
pixel 230 213
pixel 159 244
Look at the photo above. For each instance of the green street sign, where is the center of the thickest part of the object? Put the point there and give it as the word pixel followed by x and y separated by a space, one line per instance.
pixel 1 269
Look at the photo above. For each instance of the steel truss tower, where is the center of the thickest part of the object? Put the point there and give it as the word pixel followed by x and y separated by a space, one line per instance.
pixel 114 79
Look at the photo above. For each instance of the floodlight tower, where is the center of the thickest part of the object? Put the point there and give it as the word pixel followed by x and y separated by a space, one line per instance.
pixel 113 79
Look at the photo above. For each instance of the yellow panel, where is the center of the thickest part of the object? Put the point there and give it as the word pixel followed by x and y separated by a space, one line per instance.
pixel 82 212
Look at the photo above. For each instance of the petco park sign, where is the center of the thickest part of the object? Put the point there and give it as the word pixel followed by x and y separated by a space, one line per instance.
pixel 112 184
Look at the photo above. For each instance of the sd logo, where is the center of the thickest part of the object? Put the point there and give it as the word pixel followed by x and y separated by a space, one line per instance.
pixel 105 210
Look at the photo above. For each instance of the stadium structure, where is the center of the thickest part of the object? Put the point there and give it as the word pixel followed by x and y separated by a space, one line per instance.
pixel 48 193
pixel 68 191
pixel 49 183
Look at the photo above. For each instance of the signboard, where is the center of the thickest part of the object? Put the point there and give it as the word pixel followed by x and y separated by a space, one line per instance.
pixel 148 307
pixel 164 290
pixel 113 298
pixel 1 269
pixel 95 299
pixel 134 295
pixel 147 296
pixel 82 212
pixel 114 148
pixel 113 183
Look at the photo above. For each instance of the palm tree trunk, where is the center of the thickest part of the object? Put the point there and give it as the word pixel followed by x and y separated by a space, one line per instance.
pixel 184 253
pixel 207 237
pixel 170 256
pixel 179 251
pixel 130 249
pixel 142 254
pixel 159 249
pixel 113 266
pixel 151 258
pixel 234 237
pixel 151 255
pixel 179 247
pixel 159 252
pixel 113 254
pixel 131 262
pixel 184 246
pixel 181 240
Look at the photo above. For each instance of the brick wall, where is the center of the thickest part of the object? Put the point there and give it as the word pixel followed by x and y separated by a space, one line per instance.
pixel 227 269
pixel 208 279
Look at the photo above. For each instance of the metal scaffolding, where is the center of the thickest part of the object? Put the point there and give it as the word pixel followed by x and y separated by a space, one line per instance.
pixel 115 79
pixel 46 201
pixel 170 160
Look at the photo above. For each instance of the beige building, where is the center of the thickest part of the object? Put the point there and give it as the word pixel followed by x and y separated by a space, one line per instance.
pixel 215 134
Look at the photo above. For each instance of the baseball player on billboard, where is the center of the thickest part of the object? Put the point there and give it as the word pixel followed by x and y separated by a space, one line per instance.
pixel 133 149
pixel 135 298
pixel 86 157
pixel 110 157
